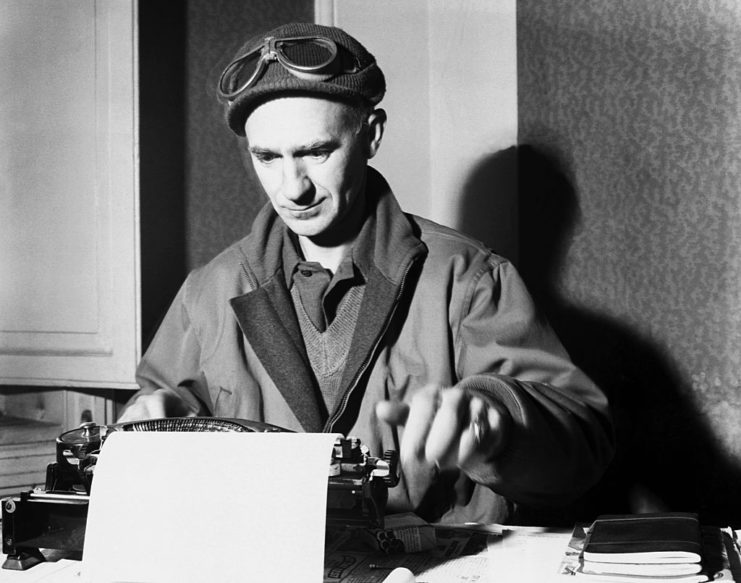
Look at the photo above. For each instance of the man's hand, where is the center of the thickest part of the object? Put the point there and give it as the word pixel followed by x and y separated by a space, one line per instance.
pixel 160 403
pixel 448 428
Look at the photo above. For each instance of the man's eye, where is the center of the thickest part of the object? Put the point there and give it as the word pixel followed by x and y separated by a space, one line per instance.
pixel 265 158
pixel 319 154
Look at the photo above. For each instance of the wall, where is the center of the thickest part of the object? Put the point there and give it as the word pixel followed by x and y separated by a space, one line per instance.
pixel 630 223
pixel 222 193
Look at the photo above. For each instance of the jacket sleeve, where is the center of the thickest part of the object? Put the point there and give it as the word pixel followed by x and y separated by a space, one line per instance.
pixel 173 359
pixel 561 437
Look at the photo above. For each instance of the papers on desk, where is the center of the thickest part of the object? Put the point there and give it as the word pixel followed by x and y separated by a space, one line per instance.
pixel 513 555
pixel 56 571
pixel 527 554
pixel 471 553
pixel 463 554
pixel 459 556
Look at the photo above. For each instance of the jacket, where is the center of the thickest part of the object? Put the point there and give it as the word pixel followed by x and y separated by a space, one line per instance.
pixel 438 307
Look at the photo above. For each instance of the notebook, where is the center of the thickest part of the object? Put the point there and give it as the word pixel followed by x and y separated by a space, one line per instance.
pixel 660 538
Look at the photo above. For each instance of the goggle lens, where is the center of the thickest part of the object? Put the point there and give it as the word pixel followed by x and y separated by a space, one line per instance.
pixel 307 55
pixel 239 74
pixel 309 58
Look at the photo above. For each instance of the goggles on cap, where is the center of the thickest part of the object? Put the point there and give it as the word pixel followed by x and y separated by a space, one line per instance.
pixel 310 58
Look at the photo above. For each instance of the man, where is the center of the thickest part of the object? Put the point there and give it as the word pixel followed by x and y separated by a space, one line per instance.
pixel 340 313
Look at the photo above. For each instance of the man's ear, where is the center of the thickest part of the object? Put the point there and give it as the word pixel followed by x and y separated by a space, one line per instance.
pixel 376 125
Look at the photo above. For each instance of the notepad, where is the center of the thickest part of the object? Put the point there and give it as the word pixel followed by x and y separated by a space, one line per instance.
pixel 661 538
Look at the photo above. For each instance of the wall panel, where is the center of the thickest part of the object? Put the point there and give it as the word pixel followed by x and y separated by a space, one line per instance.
pixel 630 133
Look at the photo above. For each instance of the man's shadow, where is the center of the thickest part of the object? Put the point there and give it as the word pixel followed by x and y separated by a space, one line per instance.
pixel 666 457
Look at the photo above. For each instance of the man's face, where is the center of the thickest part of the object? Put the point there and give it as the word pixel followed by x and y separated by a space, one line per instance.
pixel 311 161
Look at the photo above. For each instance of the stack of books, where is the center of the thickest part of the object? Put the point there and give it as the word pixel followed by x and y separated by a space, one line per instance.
pixel 644 548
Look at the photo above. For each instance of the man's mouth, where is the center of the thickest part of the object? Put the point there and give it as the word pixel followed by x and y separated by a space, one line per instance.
pixel 299 212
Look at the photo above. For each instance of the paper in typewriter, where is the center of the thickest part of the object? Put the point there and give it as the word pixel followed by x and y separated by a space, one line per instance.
pixel 208 507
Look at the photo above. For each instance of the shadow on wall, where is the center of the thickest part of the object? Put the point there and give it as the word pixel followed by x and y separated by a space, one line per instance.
pixel 489 203
pixel 666 457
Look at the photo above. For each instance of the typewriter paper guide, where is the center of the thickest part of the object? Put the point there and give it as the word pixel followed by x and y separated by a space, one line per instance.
pixel 208 507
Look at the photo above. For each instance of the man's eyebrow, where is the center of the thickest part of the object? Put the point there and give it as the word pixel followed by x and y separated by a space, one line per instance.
pixel 257 150
pixel 316 144
pixel 328 144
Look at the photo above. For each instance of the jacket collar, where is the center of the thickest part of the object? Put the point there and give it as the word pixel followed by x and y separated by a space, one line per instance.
pixel 268 321
pixel 392 242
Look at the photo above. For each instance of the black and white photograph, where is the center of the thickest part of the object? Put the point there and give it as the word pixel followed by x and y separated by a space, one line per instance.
pixel 370 291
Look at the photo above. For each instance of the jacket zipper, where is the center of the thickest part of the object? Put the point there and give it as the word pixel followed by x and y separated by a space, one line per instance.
pixel 361 371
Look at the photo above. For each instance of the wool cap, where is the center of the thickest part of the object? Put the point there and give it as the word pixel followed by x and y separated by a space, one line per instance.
pixel 359 79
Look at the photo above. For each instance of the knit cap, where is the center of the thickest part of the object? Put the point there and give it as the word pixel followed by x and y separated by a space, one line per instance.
pixel 358 78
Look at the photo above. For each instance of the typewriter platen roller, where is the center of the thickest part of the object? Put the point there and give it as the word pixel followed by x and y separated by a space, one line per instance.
pixel 54 517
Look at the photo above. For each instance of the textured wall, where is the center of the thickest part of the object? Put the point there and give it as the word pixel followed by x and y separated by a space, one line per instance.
pixel 630 179
pixel 222 193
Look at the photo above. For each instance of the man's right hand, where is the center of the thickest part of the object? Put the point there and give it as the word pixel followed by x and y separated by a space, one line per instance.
pixel 157 404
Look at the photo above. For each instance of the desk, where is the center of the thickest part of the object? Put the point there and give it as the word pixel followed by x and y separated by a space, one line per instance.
pixel 528 554
pixel 514 554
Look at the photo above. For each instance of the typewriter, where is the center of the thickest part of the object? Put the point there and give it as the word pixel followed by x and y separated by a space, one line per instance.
pixel 55 517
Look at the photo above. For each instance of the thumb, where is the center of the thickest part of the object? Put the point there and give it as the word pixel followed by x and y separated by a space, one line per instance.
pixel 392 412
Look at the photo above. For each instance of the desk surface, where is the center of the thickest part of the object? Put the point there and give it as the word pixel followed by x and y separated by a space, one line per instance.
pixel 513 554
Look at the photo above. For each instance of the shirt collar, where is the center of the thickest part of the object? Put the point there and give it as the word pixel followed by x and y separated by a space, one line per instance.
pixel 352 265
pixel 356 263
pixel 291 256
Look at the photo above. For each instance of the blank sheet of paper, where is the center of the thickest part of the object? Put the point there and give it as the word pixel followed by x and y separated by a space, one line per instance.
pixel 208 507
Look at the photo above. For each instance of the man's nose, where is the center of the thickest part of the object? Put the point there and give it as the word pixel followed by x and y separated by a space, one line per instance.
pixel 296 183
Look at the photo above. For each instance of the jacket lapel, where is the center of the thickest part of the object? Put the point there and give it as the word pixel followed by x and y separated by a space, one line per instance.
pixel 267 320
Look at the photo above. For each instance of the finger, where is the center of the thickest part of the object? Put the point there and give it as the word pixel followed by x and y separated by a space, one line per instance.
pixel 499 424
pixel 484 435
pixel 392 412
pixel 475 434
pixel 421 413
pixel 450 421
